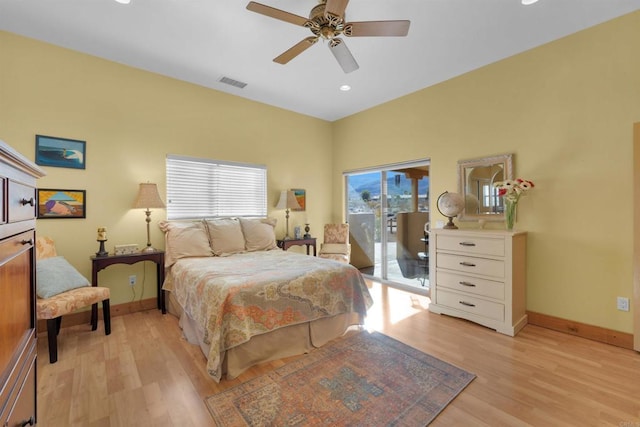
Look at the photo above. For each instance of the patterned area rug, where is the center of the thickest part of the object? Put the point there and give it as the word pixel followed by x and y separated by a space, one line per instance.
pixel 366 379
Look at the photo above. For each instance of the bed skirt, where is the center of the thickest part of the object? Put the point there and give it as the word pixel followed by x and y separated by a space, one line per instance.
pixel 285 342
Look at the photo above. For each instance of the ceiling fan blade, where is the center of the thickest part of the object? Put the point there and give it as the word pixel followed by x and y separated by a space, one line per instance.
pixel 296 50
pixel 377 28
pixel 276 13
pixel 336 7
pixel 343 55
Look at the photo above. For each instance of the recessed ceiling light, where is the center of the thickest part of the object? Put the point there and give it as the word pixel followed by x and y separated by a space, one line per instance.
pixel 528 2
pixel 124 1
pixel 345 88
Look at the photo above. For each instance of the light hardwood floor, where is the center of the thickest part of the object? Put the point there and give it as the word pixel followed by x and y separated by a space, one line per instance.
pixel 146 374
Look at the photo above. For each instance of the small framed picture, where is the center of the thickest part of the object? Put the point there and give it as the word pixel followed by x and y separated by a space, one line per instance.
pixel 301 197
pixel 54 203
pixel 60 152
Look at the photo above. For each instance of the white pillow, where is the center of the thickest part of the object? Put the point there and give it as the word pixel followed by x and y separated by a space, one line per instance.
pixel 225 236
pixel 55 275
pixel 259 234
pixel 184 240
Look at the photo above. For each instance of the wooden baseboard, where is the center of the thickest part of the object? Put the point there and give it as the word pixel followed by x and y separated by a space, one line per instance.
pixel 84 317
pixel 596 333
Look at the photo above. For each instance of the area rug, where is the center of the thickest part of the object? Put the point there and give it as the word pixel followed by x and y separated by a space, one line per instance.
pixel 366 379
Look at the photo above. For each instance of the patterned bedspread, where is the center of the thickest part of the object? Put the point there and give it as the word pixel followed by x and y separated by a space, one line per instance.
pixel 234 298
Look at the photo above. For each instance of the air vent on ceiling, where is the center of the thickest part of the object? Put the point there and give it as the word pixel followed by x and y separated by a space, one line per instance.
pixel 232 82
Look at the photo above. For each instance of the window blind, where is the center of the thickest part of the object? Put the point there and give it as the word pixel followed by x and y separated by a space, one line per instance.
pixel 198 188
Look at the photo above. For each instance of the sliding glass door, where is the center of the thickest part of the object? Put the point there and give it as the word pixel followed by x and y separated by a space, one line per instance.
pixel 387 209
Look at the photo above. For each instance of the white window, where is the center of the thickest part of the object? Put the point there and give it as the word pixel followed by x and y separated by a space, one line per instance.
pixel 199 188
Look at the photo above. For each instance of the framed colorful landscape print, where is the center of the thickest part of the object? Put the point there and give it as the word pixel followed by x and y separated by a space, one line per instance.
pixel 54 203
pixel 301 197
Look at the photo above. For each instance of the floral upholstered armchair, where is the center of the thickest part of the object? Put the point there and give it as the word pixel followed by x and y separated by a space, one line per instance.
pixel 336 244
pixel 61 290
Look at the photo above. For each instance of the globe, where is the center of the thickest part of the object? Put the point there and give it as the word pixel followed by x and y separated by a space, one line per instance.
pixel 450 205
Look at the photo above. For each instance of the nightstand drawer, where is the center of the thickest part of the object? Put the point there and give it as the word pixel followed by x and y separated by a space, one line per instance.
pixel 475 245
pixel 469 304
pixel 472 285
pixel 471 265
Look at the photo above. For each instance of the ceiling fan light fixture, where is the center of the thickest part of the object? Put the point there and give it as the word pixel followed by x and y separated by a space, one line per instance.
pixel 327 21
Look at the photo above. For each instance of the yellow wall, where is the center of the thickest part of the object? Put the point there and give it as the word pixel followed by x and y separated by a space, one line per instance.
pixel 130 120
pixel 566 110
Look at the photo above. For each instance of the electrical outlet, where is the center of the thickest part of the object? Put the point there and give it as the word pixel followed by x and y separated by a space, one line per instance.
pixel 132 280
pixel 622 304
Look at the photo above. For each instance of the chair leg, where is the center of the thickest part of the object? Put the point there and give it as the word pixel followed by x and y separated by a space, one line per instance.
pixel 106 312
pixel 52 335
pixel 58 323
pixel 94 316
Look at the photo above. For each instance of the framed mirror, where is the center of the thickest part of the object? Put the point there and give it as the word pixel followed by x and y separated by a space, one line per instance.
pixel 475 183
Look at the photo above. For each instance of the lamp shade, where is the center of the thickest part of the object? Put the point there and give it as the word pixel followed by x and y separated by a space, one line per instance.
pixel 148 197
pixel 288 200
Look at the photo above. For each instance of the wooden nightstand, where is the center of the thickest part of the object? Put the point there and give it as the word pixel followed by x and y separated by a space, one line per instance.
pixel 100 262
pixel 308 242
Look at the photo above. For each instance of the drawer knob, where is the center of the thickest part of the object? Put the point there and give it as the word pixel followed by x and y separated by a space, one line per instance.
pixel 31 421
pixel 467 264
pixel 29 202
pixel 467 244
pixel 26 242
pixel 468 304
pixel 471 285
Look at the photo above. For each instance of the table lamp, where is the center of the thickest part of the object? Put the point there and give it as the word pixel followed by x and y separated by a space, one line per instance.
pixel 148 197
pixel 287 201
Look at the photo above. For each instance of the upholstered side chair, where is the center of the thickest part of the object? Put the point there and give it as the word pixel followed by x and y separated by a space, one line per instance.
pixel 336 244
pixel 65 298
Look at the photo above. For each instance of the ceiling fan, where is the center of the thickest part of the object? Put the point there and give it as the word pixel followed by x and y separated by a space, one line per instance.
pixel 327 21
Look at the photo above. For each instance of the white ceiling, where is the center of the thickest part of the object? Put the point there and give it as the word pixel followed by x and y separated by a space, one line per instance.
pixel 200 41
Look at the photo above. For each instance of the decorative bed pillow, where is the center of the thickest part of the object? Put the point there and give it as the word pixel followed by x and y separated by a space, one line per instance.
pixel 185 240
pixel 225 236
pixel 259 234
pixel 55 275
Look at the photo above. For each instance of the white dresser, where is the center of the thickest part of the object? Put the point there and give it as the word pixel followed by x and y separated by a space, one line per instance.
pixel 480 275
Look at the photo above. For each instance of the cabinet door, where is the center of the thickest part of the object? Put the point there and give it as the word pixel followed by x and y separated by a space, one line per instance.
pixel 17 321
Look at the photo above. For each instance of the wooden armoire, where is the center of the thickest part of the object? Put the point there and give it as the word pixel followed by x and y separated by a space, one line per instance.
pixel 17 288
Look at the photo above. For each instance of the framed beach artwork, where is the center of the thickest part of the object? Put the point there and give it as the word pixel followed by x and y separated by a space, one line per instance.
pixel 301 197
pixel 54 203
pixel 60 152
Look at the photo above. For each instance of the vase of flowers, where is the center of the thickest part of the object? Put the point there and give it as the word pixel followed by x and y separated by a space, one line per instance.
pixel 511 191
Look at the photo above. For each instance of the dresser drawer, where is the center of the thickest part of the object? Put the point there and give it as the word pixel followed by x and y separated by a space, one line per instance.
pixel 470 304
pixel 21 201
pixel 22 404
pixel 471 265
pixel 471 285
pixel 473 245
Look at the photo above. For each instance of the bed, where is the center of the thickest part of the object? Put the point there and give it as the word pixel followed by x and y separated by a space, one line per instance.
pixel 244 301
